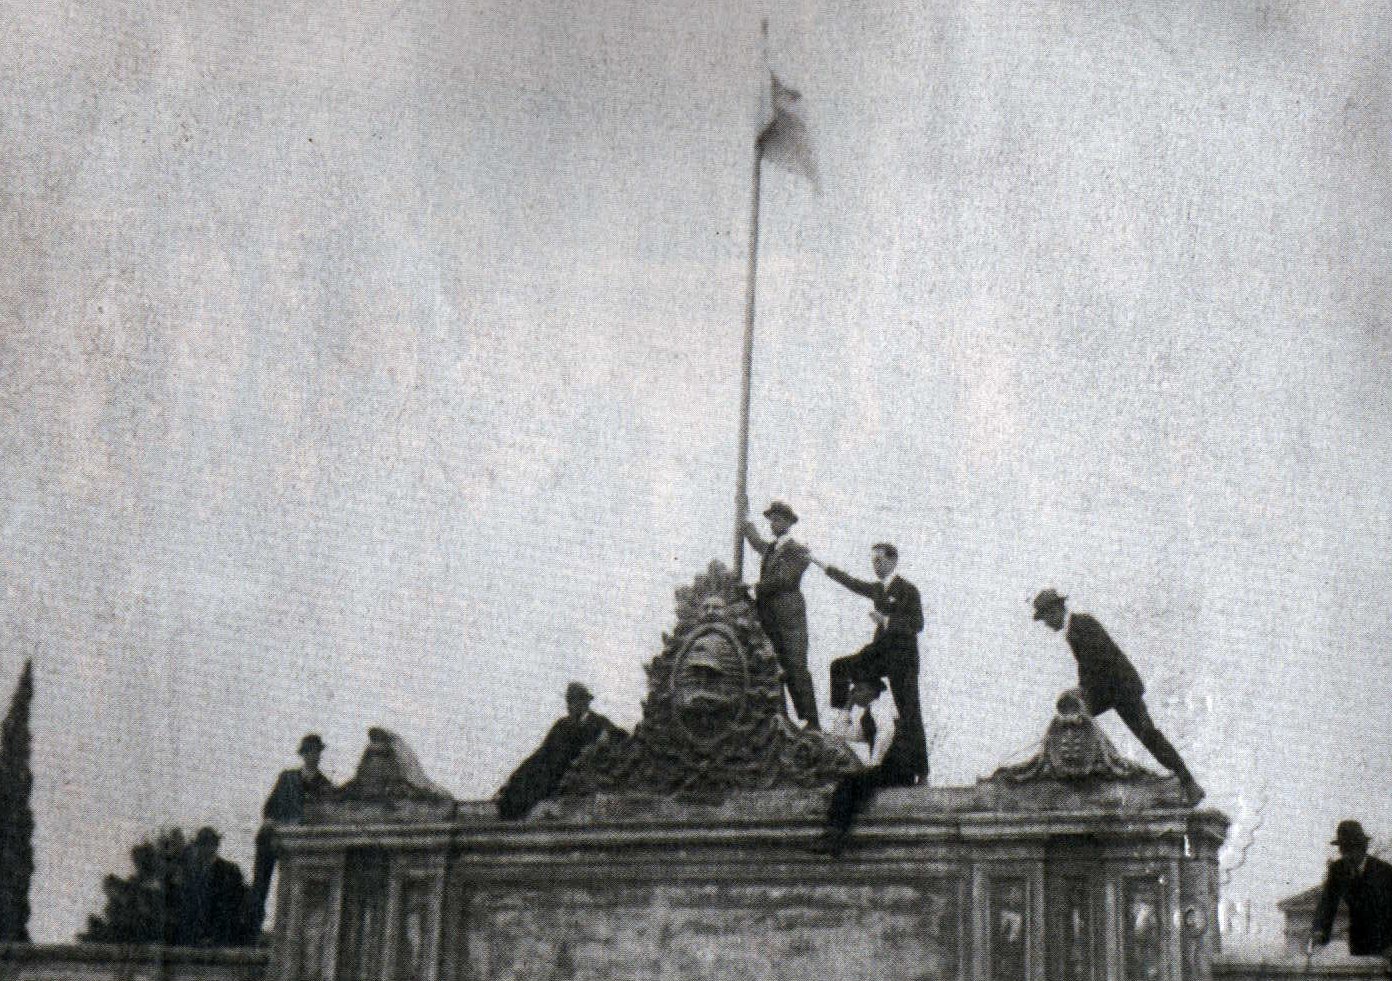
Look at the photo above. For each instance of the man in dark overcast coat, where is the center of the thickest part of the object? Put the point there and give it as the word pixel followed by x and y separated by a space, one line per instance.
pixel 539 775
pixel 1110 681
pixel 1362 881
pixel 285 805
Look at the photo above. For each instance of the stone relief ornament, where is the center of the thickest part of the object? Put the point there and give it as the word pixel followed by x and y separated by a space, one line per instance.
pixel 714 719
pixel 1075 749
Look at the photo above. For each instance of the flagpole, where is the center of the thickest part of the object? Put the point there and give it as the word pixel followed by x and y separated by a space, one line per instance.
pixel 750 289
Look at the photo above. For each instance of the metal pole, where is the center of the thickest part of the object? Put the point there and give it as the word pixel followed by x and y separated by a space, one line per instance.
pixel 742 475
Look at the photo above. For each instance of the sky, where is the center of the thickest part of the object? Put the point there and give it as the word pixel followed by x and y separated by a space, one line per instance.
pixel 377 364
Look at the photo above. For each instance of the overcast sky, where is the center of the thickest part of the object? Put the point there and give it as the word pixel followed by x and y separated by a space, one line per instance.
pixel 378 364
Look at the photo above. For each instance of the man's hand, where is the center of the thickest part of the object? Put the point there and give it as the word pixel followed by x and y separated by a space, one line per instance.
pixel 816 561
pixel 750 528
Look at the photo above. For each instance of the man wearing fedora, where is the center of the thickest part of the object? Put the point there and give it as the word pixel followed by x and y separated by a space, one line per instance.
pixel 1109 681
pixel 1364 882
pixel 892 653
pixel 286 805
pixel 537 777
pixel 782 610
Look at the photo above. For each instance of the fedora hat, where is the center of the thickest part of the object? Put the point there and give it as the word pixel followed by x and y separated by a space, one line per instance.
pixel 1047 600
pixel 1350 834
pixel 780 508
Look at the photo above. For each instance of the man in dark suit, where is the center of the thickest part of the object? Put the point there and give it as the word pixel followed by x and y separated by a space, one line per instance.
pixel 1109 681
pixel 782 610
pixel 211 896
pixel 1365 883
pixel 285 805
pixel 892 763
pixel 893 653
pixel 538 776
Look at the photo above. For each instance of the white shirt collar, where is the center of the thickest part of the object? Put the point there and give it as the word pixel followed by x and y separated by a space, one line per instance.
pixel 886 583
pixel 780 540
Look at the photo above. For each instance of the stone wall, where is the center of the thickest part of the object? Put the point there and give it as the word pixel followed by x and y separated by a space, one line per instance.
pixel 113 962
pixel 1284 966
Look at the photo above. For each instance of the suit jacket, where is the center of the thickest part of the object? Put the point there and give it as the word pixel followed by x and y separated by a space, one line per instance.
pixel 900 603
pixel 539 775
pixel 1104 673
pixel 287 801
pixel 210 903
pixel 1369 898
pixel 778 594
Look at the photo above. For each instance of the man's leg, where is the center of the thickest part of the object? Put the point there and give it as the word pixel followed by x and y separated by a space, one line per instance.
pixel 263 869
pixel 845 670
pixel 1137 718
pixel 901 668
pixel 793 658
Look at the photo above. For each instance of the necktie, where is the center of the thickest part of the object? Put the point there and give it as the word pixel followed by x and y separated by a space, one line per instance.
pixel 868 727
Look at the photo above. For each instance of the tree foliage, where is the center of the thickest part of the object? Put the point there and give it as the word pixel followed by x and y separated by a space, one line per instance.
pixel 16 815
pixel 159 904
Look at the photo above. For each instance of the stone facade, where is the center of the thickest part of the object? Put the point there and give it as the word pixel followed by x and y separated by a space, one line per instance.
pixel 684 853
pixel 114 962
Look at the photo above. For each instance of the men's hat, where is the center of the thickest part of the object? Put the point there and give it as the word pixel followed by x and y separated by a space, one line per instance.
pixel 1046 601
pixel 778 507
pixel 874 684
pixel 577 690
pixel 207 836
pixel 310 742
pixel 1350 834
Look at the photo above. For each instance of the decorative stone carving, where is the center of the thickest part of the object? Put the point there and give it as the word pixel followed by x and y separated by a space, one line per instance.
pixel 390 784
pixel 1075 749
pixel 714 720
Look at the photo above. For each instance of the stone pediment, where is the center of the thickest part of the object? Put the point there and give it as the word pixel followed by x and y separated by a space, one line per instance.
pixel 714 720
pixel 1078 754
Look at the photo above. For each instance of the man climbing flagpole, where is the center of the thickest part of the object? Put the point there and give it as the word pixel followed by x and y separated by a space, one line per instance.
pixel 782 137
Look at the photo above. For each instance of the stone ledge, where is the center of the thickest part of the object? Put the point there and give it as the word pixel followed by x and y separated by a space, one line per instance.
pixel 1286 965
pixel 80 953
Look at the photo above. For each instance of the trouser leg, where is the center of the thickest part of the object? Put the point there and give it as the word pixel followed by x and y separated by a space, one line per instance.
pixel 1137 718
pixel 263 868
pixel 850 797
pixel 791 648
pixel 900 667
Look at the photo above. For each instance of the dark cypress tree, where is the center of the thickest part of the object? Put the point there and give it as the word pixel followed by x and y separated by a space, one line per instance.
pixel 16 817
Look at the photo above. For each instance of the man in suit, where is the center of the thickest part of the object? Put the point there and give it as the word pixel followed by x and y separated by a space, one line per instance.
pixel 892 653
pixel 1109 681
pixel 285 805
pixel 1365 883
pixel 782 610
pixel 211 897
pixel 892 762
pixel 537 777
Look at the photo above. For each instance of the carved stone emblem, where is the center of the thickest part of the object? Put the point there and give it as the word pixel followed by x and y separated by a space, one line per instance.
pixel 1075 749
pixel 714 720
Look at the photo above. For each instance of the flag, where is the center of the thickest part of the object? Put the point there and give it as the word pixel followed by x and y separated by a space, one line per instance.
pixel 783 137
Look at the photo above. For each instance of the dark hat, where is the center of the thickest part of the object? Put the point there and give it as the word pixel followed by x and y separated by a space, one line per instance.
pixel 778 507
pixel 310 742
pixel 577 690
pixel 1047 600
pixel 207 836
pixel 874 684
pixel 1350 834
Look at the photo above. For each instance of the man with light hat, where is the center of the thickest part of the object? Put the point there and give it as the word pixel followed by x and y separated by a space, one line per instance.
pixel 286 805
pixel 1364 882
pixel 539 775
pixel 1110 681
pixel 781 607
